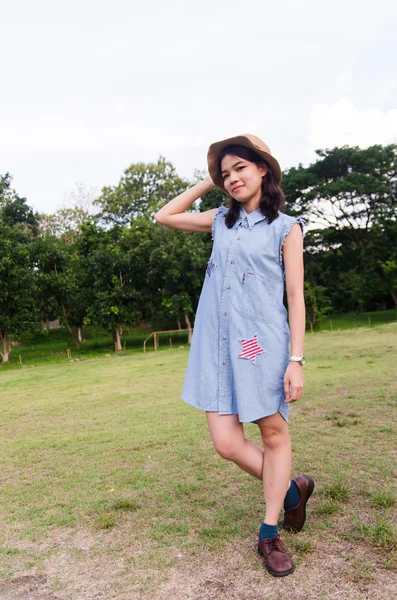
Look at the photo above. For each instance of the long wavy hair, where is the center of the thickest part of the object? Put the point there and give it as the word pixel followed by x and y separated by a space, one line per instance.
pixel 272 195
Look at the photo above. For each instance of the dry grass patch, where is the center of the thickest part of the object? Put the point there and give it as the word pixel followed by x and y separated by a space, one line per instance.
pixel 111 487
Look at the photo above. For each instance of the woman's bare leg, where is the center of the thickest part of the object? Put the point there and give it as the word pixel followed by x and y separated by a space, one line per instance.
pixel 276 464
pixel 228 437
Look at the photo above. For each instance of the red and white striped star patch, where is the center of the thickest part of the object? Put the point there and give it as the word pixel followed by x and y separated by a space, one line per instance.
pixel 250 349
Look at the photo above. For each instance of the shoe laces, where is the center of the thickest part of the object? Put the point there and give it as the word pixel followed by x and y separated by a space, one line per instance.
pixel 275 544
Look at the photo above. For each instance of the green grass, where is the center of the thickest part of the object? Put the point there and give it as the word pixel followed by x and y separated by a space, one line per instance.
pixel 304 546
pixel 336 490
pixel 382 533
pixel 383 498
pixel 352 320
pixel 51 346
pixel 106 447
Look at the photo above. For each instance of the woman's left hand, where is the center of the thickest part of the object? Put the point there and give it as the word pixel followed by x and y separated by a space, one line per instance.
pixel 293 382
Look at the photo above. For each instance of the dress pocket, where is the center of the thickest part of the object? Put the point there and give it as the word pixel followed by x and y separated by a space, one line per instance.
pixel 256 300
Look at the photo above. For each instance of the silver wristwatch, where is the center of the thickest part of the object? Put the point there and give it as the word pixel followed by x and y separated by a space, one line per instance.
pixel 298 359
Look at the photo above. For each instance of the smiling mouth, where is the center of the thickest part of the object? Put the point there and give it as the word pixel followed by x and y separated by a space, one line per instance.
pixel 237 188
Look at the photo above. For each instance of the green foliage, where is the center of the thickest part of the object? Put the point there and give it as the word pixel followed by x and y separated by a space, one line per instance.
pixel 348 188
pixel 18 227
pixel 350 194
pixel 14 209
pixel 142 189
pixel 175 266
pixel 111 276
pixel 119 267
pixel 318 304
pixel 64 224
pixel 64 291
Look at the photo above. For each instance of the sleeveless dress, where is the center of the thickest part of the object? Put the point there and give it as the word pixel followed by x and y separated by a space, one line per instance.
pixel 240 343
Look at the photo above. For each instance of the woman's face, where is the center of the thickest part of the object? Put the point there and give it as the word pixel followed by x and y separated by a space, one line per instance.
pixel 242 178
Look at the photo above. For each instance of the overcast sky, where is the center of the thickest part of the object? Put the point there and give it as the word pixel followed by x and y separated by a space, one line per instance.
pixel 89 87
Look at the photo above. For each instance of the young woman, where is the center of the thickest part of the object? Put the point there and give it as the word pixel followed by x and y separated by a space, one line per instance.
pixel 240 368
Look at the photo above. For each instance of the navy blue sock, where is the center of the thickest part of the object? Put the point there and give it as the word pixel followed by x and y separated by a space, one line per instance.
pixel 267 531
pixel 292 497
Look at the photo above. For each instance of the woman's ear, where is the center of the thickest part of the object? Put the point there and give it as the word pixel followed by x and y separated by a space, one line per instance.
pixel 263 169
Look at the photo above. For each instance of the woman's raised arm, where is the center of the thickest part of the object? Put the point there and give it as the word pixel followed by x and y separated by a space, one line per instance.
pixel 174 214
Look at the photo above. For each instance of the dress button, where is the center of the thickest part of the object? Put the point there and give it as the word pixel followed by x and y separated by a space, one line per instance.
pixel 224 362
pixel 225 313
pixel 232 261
pixel 224 337
pixel 238 237
pixel 228 287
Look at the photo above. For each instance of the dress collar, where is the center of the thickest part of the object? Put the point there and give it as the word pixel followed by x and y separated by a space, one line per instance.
pixel 252 218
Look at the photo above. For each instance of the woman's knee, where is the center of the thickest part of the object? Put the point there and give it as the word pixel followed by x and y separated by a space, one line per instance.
pixel 227 435
pixel 273 437
pixel 274 432
pixel 227 448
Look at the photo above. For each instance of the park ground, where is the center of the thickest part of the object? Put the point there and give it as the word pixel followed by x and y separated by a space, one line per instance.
pixel 110 487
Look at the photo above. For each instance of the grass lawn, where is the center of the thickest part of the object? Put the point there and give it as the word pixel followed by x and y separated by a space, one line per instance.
pixel 110 487
pixel 352 320
pixel 50 347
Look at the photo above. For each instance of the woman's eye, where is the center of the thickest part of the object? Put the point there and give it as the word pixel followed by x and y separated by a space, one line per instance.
pixel 240 168
pixel 225 176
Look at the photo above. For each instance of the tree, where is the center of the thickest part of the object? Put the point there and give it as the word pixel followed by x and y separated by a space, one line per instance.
pixel 350 194
pixel 111 277
pixel 66 221
pixel 18 227
pixel 175 267
pixel 141 191
pixel 317 303
pixel 347 188
pixel 62 283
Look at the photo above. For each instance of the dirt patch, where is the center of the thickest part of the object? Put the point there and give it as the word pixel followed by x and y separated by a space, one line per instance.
pixel 27 587
pixel 239 574
pixel 78 571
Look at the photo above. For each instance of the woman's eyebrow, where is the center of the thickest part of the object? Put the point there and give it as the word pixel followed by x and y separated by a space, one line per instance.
pixel 235 165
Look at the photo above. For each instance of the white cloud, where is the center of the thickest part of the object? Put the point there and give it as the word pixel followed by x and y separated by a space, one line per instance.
pixel 342 123
pixel 87 97
pixel 56 134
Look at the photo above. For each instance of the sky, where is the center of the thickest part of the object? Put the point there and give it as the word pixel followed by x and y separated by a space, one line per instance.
pixel 90 87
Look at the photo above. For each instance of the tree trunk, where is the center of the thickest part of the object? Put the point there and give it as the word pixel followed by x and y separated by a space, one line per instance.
pixel 189 327
pixel 314 318
pixel 393 294
pixel 116 339
pixel 5 355
pixel 380 273
pixel 179 324
pixel 79 335
pixel 75 342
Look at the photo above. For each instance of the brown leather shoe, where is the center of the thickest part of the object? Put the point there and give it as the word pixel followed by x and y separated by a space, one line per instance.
pixel 277 561
pixel 294 518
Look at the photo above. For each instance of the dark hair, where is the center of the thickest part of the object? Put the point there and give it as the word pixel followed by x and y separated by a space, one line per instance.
pixel 272 194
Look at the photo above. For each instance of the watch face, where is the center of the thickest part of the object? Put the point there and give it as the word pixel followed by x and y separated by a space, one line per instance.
pixel 302 361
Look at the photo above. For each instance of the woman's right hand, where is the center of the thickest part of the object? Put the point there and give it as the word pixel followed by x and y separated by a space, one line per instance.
pixel 208 182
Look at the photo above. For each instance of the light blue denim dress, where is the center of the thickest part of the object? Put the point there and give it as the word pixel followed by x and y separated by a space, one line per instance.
pixel 240 344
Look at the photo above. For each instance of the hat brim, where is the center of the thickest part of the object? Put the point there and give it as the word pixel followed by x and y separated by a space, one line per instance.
pixel 241 140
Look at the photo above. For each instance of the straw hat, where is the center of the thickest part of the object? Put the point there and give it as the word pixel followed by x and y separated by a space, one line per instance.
pixel 247 140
